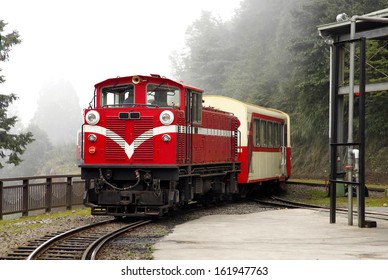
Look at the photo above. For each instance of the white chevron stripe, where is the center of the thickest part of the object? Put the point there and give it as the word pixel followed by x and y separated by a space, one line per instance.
pixel 130 148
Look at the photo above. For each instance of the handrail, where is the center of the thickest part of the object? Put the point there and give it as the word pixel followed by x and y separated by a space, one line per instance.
pixel 26 194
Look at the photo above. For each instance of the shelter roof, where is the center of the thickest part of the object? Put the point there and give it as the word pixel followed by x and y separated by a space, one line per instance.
pixel 371 26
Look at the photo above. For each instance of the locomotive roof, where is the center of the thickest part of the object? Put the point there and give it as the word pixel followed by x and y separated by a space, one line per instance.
pixel 152 77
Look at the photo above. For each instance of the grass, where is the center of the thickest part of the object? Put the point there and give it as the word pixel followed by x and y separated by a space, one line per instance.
pixel 14 225
pixel 140 252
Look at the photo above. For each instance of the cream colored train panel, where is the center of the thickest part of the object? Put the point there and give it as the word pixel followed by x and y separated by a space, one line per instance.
pixel 264 140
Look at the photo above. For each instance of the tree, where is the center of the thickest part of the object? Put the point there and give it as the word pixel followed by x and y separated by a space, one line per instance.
pixel 12 145
pixel 310 58
pixel 273 56
pixel 34 157
pixel 206 55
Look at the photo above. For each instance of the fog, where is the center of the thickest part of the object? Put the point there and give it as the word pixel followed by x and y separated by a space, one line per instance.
pixel 69 46
pixel 84 42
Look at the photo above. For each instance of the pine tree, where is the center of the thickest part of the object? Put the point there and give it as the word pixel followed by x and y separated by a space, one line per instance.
pixel 12 145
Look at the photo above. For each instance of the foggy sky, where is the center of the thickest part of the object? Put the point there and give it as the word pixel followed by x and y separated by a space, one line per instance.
pixel 85 42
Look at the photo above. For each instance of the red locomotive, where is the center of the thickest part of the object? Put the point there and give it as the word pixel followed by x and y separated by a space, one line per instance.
pixel 149 145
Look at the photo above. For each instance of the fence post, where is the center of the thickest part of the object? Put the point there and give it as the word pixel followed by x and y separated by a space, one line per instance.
pixel 26 187
pixel 49 194
pixel 69 193
pixel 87 184
pixel 1 199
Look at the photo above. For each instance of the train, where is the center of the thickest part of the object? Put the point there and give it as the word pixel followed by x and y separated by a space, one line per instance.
pixel 150 145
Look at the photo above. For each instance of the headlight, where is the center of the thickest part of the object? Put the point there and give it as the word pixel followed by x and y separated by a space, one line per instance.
pixel 166 117
pixel 92 117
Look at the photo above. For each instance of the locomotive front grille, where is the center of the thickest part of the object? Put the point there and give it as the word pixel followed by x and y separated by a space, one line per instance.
pixel 143 143
pixel 115 139
pixel 181 138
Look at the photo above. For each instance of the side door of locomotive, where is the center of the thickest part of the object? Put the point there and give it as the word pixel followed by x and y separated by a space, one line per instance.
pixel 189 127
pixel 193 121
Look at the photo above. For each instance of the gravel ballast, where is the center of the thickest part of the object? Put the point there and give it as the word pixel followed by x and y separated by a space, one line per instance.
pixel 137 244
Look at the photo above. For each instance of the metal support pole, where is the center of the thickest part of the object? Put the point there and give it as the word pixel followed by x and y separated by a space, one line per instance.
pixel 333 131
pixel 361 174
pixel 350 121
pixel 341 111
pixel 330 92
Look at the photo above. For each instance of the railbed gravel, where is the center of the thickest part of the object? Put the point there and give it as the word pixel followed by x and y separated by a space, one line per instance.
pixel 138 244
pixel 135 245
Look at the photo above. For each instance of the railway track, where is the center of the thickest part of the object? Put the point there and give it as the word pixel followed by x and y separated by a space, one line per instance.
pixel 82 243
pixel 326 185
pixel 283 203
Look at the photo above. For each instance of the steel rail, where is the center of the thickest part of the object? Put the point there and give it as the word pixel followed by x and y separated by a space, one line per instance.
pixel 45 245
pixel 294 204
pixel 91 252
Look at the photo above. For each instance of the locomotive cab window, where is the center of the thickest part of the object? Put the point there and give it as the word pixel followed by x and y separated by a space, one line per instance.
pixel 118 96
pixel 162 96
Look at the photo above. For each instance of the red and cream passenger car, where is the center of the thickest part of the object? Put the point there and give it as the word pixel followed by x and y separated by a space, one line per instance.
pixel 264 144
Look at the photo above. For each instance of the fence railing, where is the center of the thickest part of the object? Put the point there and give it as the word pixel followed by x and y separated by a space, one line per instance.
pixel 26 194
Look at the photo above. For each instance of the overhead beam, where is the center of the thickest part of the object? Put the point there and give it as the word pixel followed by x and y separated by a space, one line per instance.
pixel 368 88
pixel 370 26
pixel 379 33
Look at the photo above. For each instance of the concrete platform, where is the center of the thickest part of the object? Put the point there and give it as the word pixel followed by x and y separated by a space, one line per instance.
pixel 291 234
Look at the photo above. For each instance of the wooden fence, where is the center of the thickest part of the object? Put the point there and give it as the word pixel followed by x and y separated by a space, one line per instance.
pixel 26 194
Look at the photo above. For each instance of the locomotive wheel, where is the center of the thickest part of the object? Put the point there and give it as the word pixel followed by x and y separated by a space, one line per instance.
pixel 243 191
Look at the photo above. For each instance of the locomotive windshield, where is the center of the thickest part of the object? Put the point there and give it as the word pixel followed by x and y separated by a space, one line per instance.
pixel 162 95
pixel 117 96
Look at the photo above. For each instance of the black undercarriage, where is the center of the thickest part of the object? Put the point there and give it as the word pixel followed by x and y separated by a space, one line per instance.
pixel 155 190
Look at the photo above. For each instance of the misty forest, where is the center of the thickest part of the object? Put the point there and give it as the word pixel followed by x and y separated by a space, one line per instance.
pixel 269 54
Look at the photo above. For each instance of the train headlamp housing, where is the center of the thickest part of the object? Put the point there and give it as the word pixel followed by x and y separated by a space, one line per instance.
pixel 92 117
pixel 166 117
pixel 92 137
pixel 166 138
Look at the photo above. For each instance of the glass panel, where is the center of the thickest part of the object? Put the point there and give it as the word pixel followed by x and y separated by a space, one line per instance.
pixel 256 133
pixel 270 134
pixel 263 133
pixel 162 96
pixel 197 107
pixel 276 135
pixel 118 96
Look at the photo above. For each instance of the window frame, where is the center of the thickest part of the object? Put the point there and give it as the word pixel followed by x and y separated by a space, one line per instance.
pixel 109 92
pixel 196 108
pixel 169 103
